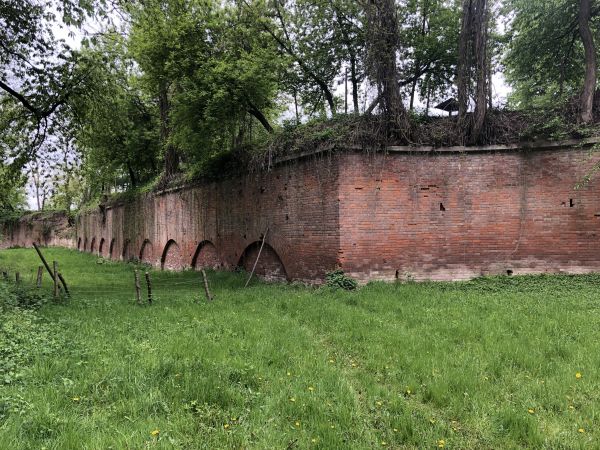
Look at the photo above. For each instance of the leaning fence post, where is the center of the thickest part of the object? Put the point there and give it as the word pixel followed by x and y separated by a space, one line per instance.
pixel 40 273
pixel 209 297
pixel 149 284
pixel 137 286
pixel 55 277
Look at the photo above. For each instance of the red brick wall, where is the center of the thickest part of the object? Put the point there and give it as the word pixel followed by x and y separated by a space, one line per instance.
pixel 296 202
pixel 420 215
pixel 46 228
pixel 456 216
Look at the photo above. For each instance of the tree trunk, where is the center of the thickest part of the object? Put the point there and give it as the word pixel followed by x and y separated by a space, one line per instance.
pixel 464 62
pixel 480 23
pixel 171 155
pixel 589 85
pixel 131 175
pixel 383 43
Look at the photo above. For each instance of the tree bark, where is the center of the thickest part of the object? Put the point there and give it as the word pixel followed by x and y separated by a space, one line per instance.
pixel 480 23
pixel 171 155
pixel 464 62
pixel 589 85
pixel 383 43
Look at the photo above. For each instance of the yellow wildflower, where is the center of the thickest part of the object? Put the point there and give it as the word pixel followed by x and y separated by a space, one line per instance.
pixel 441 443
pixel 578 375
pixel 226 426
pixel 311 389
pixel 581 430
pixel 531 411
pixel 378 403
pixel 76 399
pixel 297 423
pixel 155 433
pixel 292 399
pixel 289 374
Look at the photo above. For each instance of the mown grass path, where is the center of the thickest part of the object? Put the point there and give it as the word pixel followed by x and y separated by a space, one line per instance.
pixel 486 364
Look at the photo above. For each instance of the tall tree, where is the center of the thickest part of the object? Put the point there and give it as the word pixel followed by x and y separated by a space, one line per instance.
pixel 473 67
pixel 382 47
pixel 591 66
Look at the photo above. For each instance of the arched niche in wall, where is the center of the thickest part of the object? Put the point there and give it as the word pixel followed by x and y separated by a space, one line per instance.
pixel 93 245
pixel 171 257
pixel 269 266
pixel 206 256
pixel 111 249
pixel 101 248
pixel 146 252
pixel 85 244
pixel 79 244
pixel 126 254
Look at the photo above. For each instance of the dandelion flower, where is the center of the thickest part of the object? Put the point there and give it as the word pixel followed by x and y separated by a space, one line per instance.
pixel 313 440
pixel 155 433
pixel 531 411
pixel 578 375
pixel 441 443
pixel 383 443
pixel 289 374
pixel 297 423
pixel 581 430
pixel 395 430
pixel 331 361
pixel 311 389
pixel 378 403
pixel 226 426
pixel 292 399
pixel 332 427
pixel 76 399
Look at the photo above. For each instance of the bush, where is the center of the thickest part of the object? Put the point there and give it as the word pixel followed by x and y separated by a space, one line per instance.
pixel 20 296
pixel 339 280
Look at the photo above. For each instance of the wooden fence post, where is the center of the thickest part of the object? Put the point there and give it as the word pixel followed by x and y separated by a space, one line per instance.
pixel 17 277
pixel 40 273
pixel 209 297
pixel 138 295
pixel 149 283
pixel 55 277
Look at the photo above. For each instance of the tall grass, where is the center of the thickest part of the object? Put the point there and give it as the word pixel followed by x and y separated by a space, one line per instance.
pixel 490 363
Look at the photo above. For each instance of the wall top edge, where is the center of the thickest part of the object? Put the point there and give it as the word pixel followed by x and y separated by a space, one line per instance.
pixel 427 149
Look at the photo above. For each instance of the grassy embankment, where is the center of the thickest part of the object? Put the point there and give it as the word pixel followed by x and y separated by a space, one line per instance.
pixel 486 364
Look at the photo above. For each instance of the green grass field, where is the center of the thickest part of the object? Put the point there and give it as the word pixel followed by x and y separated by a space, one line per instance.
pixel 488 364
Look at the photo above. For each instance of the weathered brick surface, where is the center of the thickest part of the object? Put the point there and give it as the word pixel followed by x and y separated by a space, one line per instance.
pixel 397 215
pixel 219 224
pixel 48 229
pixel 457 216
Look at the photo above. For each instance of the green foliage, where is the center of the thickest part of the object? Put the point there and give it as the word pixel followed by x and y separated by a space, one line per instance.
pixel 544 56
pixel 339 280
pixel 408 364
pixel 23 337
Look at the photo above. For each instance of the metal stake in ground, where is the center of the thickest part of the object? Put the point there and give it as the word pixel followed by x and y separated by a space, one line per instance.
pixel 209 297
pixel 55 278
pixel 138 295
pixel 257 258
pixel 149 284
pixel 40 273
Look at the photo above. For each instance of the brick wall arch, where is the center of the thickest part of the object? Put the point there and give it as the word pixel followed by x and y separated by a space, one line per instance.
pixel 171 258
pixel 206 256
pixel 147 252
pixel 269 266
